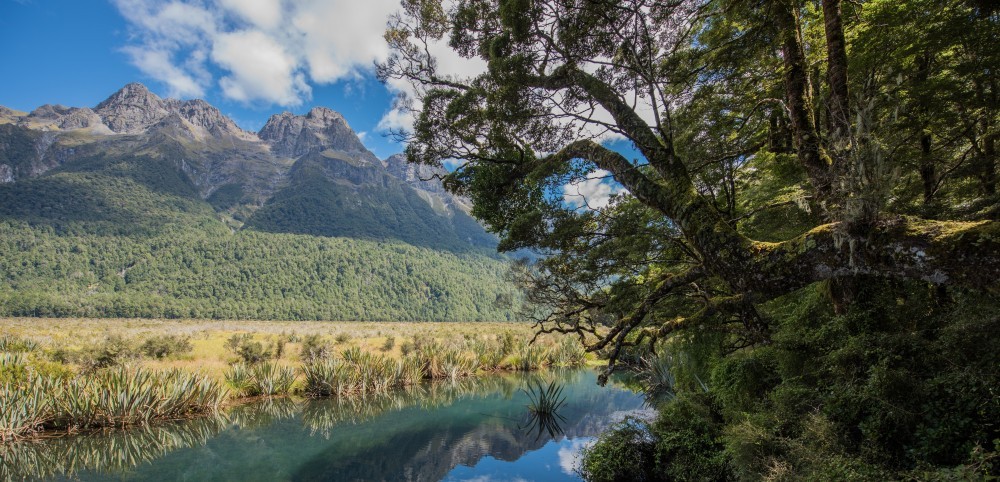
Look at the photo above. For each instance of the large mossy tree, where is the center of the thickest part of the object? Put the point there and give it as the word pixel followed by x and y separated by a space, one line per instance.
pixel 811 207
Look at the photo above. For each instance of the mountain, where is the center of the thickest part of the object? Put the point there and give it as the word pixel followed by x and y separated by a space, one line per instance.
pixel 145 206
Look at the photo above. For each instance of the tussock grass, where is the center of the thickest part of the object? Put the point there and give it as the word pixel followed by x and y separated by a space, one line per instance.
pixel 77 374
pixel 260 379
pixel 116 397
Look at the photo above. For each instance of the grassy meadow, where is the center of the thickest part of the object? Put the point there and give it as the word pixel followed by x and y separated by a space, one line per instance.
pixel 71 374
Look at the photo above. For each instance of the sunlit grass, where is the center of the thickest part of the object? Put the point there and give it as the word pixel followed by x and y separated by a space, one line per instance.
pixel 78 374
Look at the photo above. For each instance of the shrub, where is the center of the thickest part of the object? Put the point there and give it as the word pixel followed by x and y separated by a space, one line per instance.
pixel 407 347
pixel 113 351
pixel 248 350
pixel 625 452
pixel 314 348
pixel 390 342
pixel 163 346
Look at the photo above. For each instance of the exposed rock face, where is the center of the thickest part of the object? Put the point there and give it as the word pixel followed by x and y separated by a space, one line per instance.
pixel 132 109
pixel 417 175
pixel 299 172
pixel 292 135
pixel 83 118
pixel 204 115
pixel 8 116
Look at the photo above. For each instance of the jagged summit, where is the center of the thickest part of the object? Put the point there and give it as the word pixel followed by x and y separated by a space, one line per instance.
pixel 293 135
pixel 132 109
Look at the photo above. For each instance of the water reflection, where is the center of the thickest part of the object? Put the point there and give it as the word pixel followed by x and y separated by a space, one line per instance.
pixel 425 433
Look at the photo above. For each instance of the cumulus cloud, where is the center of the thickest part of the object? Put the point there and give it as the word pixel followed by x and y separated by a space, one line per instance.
pixel 569 454
pixel 266 14
pixel 259 68
pixel 593 192
pixel 255 51
pixel 157 63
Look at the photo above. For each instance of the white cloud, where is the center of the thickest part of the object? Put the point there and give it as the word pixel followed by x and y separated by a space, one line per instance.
pixel 266 14
pixel 397 119
pixel 157 63
pixel 593 192
pixel 569 455
pixel 259 51
pixel 339 37
pixel 260 69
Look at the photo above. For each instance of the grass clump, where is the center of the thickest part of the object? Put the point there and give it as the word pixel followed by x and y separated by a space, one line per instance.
pixel 115 397
pixel 261 379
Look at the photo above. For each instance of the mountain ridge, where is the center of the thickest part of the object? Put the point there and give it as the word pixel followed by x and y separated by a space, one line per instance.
pixel 142 206
pixel 215 154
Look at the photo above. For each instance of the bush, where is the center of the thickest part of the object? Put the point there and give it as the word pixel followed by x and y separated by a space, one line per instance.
pixel 163 346
pixel 390 342
pixel 625 452
pixel 114 351
pixel 248 350
pixel 314 348
pixel 683 444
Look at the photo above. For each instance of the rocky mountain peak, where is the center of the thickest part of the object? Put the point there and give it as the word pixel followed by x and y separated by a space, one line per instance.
pixel 206 116
pixel 132 109
pixel 325 116
pixel 320 129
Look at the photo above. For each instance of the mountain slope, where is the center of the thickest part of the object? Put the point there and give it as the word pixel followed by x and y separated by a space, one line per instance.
pixel 155 207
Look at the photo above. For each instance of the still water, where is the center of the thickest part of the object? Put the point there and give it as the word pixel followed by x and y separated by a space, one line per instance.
pixel 474 429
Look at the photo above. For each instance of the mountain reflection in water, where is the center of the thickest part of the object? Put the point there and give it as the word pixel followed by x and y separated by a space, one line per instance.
pixel 468 429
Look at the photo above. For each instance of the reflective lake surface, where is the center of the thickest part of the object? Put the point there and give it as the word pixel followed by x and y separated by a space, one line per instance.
pixel 473 429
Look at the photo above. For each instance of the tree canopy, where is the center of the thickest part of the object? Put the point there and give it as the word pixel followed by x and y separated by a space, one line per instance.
pixel 781 143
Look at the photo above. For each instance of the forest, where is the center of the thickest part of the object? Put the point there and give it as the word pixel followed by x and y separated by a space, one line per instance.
pixel 803 252
pixel 247 275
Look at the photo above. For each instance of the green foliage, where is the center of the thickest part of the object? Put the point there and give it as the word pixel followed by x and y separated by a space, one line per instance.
pixel 113 397
pixel 260 379
pixel 113 351
pixel 624 452
pixel 163 346
pixel 315 348
pixel 247 349
pixel 189 273
pixel 111 235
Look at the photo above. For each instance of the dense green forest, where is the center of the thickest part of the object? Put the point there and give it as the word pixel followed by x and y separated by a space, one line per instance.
pixel 247 275
pixel 803 257
pixel 127 236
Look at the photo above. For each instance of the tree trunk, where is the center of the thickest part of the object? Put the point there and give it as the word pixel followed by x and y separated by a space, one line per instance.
pixel 836 58
pixel 798 97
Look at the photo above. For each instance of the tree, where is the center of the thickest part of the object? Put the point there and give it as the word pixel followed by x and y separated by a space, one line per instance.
pixel 742 113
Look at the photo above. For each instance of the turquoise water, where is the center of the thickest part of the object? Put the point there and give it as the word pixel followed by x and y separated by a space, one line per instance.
pixel 467 430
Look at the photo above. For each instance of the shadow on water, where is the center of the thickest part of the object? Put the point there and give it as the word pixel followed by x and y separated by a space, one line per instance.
pixel 427 432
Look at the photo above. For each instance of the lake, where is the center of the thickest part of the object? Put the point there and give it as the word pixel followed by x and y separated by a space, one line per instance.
pixel 470 429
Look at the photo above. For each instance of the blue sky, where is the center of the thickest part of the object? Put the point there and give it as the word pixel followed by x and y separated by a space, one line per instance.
pixel 249 58
pixel 77 53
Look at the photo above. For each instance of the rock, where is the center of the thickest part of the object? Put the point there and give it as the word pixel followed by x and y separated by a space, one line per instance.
pixel 131 110
pixel 292 135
